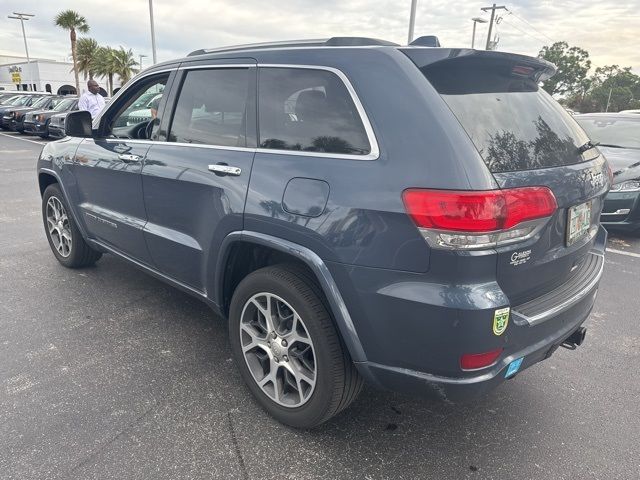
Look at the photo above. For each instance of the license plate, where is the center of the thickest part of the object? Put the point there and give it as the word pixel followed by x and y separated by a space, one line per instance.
pixel 578 222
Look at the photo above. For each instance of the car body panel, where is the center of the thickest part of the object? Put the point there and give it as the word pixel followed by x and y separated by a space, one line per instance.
pixel 406 311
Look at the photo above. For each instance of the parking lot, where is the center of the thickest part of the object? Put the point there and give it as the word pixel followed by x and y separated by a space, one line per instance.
pixel 108 373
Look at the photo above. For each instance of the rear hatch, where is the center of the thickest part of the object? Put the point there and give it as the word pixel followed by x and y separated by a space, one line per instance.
pixel 526 139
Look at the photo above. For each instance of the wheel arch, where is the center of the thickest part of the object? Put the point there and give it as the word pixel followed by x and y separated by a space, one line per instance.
pixel 246 251
pixel 45 179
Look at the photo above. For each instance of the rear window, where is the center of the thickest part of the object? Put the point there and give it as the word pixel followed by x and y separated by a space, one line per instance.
pixel 514 124
pixel 612 131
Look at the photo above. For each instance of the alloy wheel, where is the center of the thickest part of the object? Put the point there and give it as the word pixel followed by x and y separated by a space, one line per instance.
pixel 58 226
pixel 278 349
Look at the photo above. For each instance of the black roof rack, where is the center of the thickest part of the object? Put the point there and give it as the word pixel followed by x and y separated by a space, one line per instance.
pixel 331 42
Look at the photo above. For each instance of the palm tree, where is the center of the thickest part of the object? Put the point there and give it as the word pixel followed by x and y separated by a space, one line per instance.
pixel 124 63
pixel 105 65
pixel 87 51
pixel 73 21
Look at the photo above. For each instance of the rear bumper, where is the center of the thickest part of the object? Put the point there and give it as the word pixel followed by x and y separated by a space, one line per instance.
pixel 621 211
pixel 413 336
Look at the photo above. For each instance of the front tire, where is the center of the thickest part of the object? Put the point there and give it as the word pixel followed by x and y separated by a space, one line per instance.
pixel 287 348
pixel 64 237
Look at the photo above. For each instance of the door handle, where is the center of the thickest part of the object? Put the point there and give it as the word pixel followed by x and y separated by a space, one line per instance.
pixel 221 169
pixel 128 158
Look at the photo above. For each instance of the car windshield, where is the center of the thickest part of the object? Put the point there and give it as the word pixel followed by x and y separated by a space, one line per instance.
pixel 63 104
pixel 40 102
pixel 612 131
pixel 22 100
pixel 12 100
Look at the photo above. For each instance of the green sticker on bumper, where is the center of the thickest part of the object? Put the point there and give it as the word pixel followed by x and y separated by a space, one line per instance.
pixel 500 320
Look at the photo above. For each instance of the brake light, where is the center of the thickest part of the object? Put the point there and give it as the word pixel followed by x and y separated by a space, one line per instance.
pixel 474 361
pixel 478 219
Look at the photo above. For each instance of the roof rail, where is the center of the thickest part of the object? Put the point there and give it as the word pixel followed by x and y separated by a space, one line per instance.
pixel 331 42
pixel 257 46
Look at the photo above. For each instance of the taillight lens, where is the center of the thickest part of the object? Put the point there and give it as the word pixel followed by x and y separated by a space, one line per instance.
pixel 478 219
pixel 474 361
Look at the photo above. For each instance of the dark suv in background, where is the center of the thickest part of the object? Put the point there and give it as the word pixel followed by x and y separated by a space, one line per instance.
pixel 425 219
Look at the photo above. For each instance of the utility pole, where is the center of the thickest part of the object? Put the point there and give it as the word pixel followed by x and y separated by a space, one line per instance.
pixel 473 36
pixel 153 33
pixel 493 14
pixel 22 17
pixel 608 100
pixel 412 20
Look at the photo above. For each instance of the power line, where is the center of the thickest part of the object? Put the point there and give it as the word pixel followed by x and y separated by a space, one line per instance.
pixel 510 24
pixel 530 25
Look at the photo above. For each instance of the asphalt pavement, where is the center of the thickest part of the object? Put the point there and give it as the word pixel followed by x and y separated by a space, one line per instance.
pixel 107 373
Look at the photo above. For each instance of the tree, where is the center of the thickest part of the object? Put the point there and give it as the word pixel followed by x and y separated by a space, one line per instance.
pixel 124 63
pixel 105 65
pixel 610 88
pixel 73 21
pixel 87 51
pixel 573 64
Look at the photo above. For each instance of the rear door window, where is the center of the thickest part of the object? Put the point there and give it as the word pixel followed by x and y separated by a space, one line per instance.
pixel 308 110
pixel 212 108
pixel 514 124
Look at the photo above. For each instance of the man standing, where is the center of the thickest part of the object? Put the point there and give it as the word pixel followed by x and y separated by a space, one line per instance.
pixel 92 101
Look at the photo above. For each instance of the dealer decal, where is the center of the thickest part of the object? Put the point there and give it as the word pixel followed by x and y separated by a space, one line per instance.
pixel 500 320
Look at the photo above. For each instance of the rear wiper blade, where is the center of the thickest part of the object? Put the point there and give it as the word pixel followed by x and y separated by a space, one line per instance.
pixel 610 145
pixel 587 146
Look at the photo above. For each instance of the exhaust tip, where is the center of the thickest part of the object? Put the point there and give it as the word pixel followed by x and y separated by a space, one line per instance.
pixel 574 340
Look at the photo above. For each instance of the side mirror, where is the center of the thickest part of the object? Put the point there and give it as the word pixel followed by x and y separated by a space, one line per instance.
pixel 78 124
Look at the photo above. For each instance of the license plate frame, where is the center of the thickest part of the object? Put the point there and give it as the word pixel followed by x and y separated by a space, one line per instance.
pixel 578 222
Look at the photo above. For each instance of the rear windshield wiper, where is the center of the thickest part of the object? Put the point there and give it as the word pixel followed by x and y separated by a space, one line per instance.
pixel 610 145
pixel 587 146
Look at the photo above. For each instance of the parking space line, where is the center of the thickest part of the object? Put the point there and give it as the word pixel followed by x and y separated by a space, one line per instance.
pixel 622 252
pixel 23 139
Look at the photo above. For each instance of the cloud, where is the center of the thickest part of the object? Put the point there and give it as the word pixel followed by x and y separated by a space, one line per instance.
pixel 607 29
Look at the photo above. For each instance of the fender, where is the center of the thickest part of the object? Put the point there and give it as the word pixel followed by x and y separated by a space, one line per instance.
pixel 317 266
pixel 72 208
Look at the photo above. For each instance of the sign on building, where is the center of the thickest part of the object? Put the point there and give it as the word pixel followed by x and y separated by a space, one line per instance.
pixel 15 74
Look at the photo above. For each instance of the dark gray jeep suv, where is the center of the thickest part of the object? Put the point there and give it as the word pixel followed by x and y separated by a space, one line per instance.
pixel 425 219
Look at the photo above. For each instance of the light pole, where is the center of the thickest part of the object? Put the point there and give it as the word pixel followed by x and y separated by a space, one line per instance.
pixel 141 57
pixel 473 36
pixel 153 33
pixel 412 20
pixel 22 17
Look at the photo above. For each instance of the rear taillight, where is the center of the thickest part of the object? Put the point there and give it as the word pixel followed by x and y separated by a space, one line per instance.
pixel 479 219
pixel 474 361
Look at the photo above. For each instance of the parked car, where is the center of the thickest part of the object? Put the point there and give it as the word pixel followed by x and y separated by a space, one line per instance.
pixel 37 122
pixel 618 138
pixel 57 122
pixel 14 118
pixel 55 127
pixel 13 103
pixel 425 219
pixel 636 111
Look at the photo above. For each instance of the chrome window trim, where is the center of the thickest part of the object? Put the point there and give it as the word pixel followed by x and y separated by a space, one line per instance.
pixel 364 118
pixel 96 121
pixel 374 154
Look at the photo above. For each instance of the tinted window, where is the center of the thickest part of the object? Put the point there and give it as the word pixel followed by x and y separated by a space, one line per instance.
pixel 137 110
pixel 612 131
pixel 514 124
pixel 211 108
pixel 308 110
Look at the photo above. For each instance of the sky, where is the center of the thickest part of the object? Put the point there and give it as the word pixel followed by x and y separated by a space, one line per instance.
pixel 609 30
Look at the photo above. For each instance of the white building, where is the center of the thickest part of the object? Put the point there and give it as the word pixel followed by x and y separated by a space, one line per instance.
pixel 44 75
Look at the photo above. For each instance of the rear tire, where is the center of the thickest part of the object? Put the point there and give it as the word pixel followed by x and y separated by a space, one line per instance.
pixel 311 376
pixel 64 237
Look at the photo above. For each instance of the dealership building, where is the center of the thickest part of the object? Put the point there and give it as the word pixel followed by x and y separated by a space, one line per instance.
pixel 40 74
